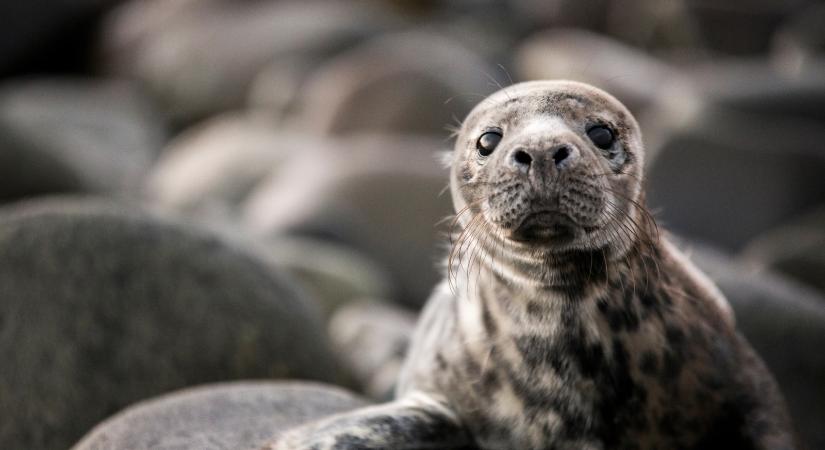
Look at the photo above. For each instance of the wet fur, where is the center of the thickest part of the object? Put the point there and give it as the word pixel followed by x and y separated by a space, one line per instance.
pixel 607 339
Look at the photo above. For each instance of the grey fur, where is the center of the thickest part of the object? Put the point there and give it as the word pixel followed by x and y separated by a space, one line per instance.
pixel 566 320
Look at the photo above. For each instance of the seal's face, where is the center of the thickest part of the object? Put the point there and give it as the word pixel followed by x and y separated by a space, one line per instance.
pixel 549 165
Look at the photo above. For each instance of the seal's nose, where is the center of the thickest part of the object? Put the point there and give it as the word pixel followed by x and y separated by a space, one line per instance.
pixel 525 158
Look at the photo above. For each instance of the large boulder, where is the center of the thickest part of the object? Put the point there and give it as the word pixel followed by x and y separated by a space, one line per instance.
pixel 403 83
pixel 101 306
pixel 724 175
pixel 785 323
pixel 378 194
pixel 200 57
pixel 75 135
pixel 237 416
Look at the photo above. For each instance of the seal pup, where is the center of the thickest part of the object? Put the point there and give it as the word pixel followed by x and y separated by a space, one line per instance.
pixel 566 319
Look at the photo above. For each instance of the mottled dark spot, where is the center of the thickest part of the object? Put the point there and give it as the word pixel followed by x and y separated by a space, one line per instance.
pixel 649 363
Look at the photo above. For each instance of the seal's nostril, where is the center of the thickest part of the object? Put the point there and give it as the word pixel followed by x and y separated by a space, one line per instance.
pixel 523 158
pixel 560 155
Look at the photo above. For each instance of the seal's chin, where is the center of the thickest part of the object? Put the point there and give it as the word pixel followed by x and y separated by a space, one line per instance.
pixel 548 227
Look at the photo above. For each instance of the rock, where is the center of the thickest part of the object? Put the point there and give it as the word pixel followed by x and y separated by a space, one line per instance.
pixel 403 83
pixel 377 194
pixel 333 274
pixel 238 416
pixel 725 176
pixel 796 249
pixel 199 58
pixel 741 27
pixel 373 337
pixel 76 135
pixel 634 77
pixel 101 306
pixel 48 35
pixel 800 41
pixel 785 323
pixel 209 169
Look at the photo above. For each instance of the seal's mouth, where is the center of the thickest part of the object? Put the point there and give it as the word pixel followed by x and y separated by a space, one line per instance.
pixel 545 226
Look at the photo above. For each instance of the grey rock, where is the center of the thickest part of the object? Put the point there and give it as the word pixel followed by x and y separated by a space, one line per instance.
pixel 238 416
pixel 76 135
pixel 404 83
pixel 785 323
pixel 800 41
pixel 725 176
pixel 207 170
pixel 373 337
pixel 333 274
pixel 200 57
pixel 101 306
pixel 796 249
pixel 377 194
pixel 634 77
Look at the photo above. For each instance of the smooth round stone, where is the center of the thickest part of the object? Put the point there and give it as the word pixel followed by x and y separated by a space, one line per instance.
pixel 101 306
pixel 209 169
pixel 381 195
pixel 725 176
pixel 199 57
pixel 74 135
pixel 239 416
pixel 404 83
pixel 796 249
pixel 634 77
pixel 373 337
pixel 331 273
pixel 785 323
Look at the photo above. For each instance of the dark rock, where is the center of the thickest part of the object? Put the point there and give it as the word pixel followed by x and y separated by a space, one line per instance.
pixel 48 35
pixel 59 135
pixel 725 176
pixel 405 83
pixel 238 416
pixel 785 323
pixel 199 57
pixel 796 249
pixel 373 338
pixel 377 194
pixel 101 306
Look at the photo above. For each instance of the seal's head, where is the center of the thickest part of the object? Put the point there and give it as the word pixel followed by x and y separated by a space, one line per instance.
pixel 550 167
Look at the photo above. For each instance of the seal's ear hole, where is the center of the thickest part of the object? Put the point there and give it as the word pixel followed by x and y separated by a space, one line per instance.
pixel 601 135
pixel 488 142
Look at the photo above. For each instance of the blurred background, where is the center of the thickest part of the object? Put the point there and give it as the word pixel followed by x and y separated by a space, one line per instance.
pixel 199 191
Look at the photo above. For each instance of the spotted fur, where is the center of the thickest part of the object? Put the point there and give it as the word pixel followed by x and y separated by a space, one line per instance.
pixel 597 334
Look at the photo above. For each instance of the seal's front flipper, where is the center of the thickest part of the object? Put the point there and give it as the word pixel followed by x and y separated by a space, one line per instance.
pixel 415 422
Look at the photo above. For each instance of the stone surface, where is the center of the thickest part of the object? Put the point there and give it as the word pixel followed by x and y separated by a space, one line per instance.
pixel 101 306
pixel 377 194
pixel 725 176
pixel 333 274
pixel 200 57
pixel 405 82
pixel 237 416
pixel 209 169
pixel 84 135
pixel 785 323
pixel 373 338
pixel 796 249
pixel 629 74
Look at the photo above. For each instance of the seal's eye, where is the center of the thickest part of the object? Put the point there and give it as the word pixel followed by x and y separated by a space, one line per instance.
pixel 601 135
pixel 487 142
